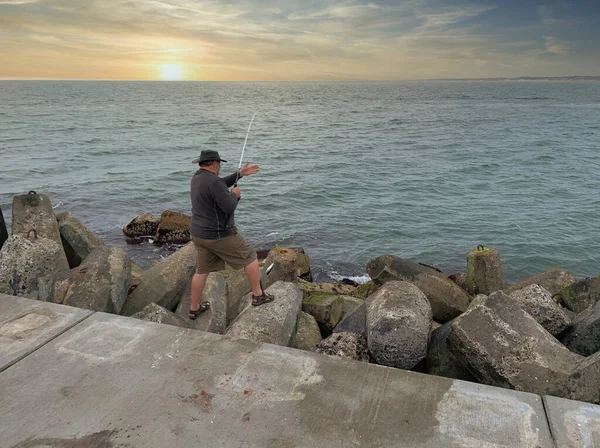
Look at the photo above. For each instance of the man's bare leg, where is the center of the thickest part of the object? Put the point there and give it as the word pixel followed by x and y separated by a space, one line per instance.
pixel 253 273
pixel 198 282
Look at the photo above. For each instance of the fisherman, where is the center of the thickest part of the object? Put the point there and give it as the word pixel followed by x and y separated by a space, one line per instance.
pixel 213 230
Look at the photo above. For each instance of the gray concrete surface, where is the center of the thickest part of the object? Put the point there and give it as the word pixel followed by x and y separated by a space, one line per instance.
pixel 26 325
pixel 573 424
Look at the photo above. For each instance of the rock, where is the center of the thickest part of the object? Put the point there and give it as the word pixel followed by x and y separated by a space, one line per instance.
pixel 163 283
pixel 446 298
pixel 142 225
pixel 28 268
pixel 308 288
pixel 349 304
pixel 308 334
pixel 584 380
pixel 554 280
pixel 365 290
pixel 77 240
pixel 173 228
pixel 345 345
pixel 504 346
pixel 215 319
pixel 3 230
pixel 398 325
pixel 584 336
pixel 101 282
pixel 354 322
pixel 435 325
pixel 325 308
pixel 484 271
pixel 136 271
pixel 274 322
pixel 289 264
pixel 156 313
pixel 34 212
pixel 440 361
pixel 459 279
pixel 581 295
pixel 538 303
pixel 349 281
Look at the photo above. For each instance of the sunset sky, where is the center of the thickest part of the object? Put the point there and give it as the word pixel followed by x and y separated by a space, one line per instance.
pixel 297 40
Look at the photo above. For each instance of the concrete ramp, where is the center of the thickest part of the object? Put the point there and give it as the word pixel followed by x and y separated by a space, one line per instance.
pixel 118 382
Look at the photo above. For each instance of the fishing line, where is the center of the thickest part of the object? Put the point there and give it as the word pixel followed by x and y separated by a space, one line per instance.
pixel 237 177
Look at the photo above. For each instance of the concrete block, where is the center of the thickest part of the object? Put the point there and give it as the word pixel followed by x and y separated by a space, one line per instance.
pixel 484 271
pixel 441 361
pixel 584 336
pixel 364 290
pixel 581 295
pixel 78 241
pixel 539 304
pixel 3 230
pixel 446 298
pixel 156 313
pixel 308 334
pixel 355 322
pixel 325 308
pixel 309 288
pixel 572 423
pixel 345 345
pixel 163 283
pixel 554 280
pixel 398 325
pixel 34 212
pixel 273 322
pixel 26 325
pixel 289 264
pixel 215 319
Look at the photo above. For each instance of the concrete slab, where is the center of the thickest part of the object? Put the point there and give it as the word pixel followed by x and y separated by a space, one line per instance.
pixel 115 381
pixel 573 424
pixel 26 325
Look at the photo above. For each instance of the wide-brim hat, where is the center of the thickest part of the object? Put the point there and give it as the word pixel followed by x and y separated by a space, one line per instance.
pixel 208 155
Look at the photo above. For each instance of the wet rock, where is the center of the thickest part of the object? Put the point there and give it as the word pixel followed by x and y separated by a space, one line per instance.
pixel 308 334
pixel 3 230
pixel 446 298
pixel 163 283
pixel 459 279
pixel 35 212
pixel 156 313
pixel 273 322
pixel 78 241
pixel 584 336
pixel 174 228
pixel 354 322
pixel 325 308
pixel 484 271
pixel 440 361
pixel 28 268
pixel 538 303
pixel 554 280
pixel 345 345
pixel 503 346
pixel 398 325
pixel 365 290
pixel 142 225
pixel 101 282
pixel 308 288
pixel 581 295
pixel 214 320
pixel 289 264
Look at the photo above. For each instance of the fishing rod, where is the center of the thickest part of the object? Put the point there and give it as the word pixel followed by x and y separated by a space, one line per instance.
pixel 237 177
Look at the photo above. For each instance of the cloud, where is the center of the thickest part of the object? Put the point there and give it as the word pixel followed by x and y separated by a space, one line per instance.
pixel 547 15
pixel 17 2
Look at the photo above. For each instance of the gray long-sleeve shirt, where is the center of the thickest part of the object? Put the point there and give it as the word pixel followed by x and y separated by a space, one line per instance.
pixel 213 205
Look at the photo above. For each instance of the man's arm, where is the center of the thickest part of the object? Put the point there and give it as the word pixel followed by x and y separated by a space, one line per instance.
pixel 226 200
pixel 232 178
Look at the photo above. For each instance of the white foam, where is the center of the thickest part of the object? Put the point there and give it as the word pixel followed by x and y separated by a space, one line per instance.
pixel 356 278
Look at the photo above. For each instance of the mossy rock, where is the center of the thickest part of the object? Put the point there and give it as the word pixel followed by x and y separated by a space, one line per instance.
pixel 309 288
pixel 308 334
pixel 365 290
pixel 325 308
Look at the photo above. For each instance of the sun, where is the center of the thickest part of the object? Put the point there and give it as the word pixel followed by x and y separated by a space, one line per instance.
pixel 171 72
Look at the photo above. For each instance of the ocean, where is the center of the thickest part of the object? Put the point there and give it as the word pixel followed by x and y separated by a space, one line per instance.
pixel 348 171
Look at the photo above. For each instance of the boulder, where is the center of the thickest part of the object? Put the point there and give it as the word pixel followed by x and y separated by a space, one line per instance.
pixel 308 334
pixel 446 298
pixel 459 279
pixel 584 380
pixel 163 283
pixel 77 240
pixel 484 271
pixel 345 345
pixel 274 322
pixel 308 288
pixel 288 265
pixel 538 303
pixel 365 290
pixel 355 322
pixel 34 212
pixel 503 346
pixel 325 308
pixel 215 319
pixel 349 304
pixel 440 361
pixel 142 225
pixel 156 313
pixel 554 280
pixel 3 230
pixel 398 325
pixel 101 282
pixel 28 268
pixel 584 336
pixel 581 295
pixel 174 228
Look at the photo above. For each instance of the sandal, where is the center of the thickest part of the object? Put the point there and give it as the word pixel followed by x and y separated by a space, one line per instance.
pixel 195 313
pixel 263 298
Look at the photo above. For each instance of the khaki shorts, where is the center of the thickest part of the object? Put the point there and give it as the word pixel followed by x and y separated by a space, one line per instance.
pixel 211 255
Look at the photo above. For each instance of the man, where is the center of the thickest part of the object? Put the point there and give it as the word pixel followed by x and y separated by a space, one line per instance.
pixel 213 229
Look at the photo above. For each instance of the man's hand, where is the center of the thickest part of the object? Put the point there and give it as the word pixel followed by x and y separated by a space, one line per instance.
pixel 236 191
pixel 248 169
